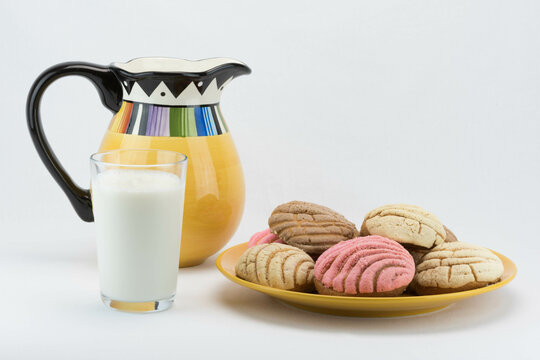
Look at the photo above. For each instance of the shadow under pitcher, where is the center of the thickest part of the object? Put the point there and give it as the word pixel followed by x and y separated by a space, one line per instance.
pixel 166 104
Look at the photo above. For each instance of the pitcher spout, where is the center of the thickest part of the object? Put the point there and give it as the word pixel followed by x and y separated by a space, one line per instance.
pixel 176 82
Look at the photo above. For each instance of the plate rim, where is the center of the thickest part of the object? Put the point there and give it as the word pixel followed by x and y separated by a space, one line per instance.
pixel 448 296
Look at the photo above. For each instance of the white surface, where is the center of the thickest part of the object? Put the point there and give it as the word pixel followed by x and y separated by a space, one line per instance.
pixel 138 217
pixel 351 105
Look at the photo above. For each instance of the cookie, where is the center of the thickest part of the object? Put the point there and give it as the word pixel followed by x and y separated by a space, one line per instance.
pixel 456 266
pixel 310 227
pixel 365 266
pixel 264 237
pixel 277 265
pixel 418 253
pixel 407 224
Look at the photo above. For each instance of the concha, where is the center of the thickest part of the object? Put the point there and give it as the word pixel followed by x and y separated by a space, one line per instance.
pixel 407 224
pixel 456 266
pixel 365 266
pixel 310 227
pixel 277 265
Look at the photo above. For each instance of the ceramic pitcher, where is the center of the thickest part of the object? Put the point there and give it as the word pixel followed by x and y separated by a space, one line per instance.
pixel 170 104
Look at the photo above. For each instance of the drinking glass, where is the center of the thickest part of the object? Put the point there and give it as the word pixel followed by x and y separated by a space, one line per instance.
pixel 138 201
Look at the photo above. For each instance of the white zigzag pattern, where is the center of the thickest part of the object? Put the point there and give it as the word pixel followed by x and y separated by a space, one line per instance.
pixel 190 95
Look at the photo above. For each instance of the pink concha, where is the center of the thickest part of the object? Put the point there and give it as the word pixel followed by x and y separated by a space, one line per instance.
pixel 264 237
pixel 365 265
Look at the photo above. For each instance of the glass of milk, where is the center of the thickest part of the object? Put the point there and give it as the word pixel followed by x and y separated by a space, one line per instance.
pixel 138 202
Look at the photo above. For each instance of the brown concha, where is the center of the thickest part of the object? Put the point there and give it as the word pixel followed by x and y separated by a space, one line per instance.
pixel 310 227
pixel 450 236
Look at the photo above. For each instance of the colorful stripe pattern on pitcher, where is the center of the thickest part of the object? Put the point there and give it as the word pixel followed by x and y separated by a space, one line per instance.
pixel 156 120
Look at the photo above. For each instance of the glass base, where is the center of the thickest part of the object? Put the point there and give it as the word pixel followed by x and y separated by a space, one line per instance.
pixel 138 307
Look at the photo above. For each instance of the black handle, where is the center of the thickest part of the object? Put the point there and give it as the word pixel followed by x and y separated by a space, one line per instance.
pixel 110 92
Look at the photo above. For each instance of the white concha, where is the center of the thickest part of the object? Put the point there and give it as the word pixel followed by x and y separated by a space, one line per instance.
pixel 277 265
pixel 406 224
pixel 456 266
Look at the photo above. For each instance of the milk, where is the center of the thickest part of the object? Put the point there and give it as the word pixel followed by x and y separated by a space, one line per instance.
pixel 138 215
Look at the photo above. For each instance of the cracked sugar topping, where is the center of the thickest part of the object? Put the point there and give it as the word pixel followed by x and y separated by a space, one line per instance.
pixel 457 264
pixel 365 265
pixel 277 265
pixel 310 227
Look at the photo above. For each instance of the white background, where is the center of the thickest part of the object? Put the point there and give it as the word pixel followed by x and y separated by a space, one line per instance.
pixel 351 105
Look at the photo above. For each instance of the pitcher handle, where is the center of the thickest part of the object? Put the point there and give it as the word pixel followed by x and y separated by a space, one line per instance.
pixel 110 92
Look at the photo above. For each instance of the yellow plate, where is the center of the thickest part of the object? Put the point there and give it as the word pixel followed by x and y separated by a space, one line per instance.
pixel 359 306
